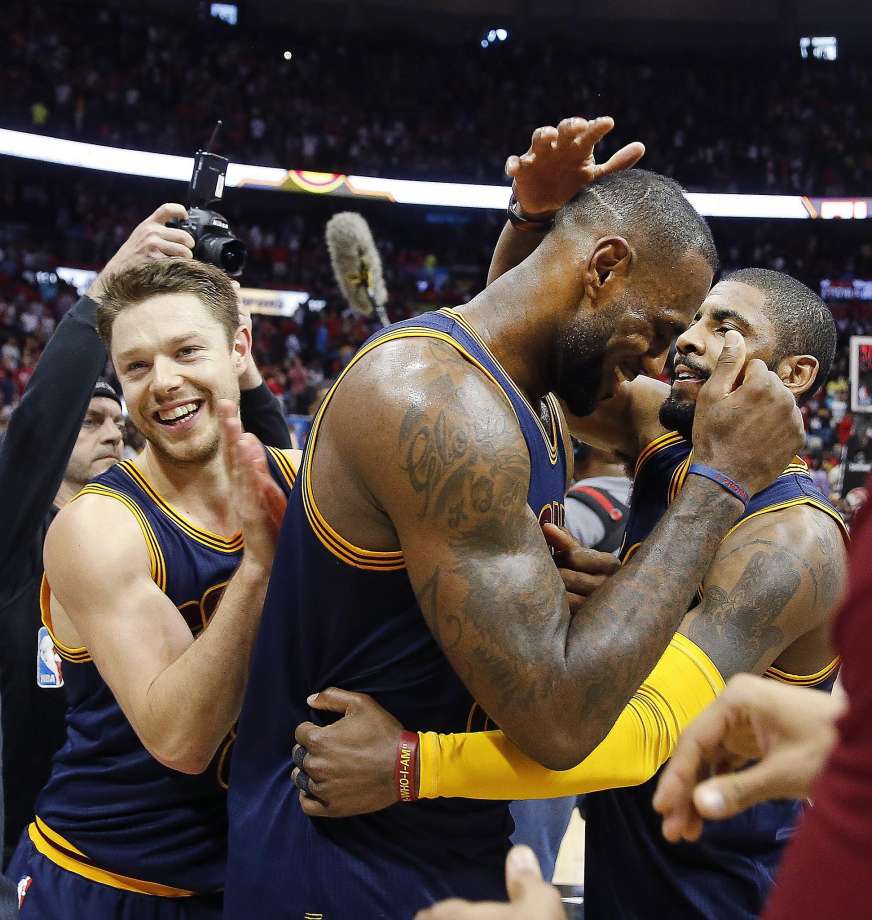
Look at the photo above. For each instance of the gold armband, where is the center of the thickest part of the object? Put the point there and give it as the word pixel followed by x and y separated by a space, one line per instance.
pixel 486 765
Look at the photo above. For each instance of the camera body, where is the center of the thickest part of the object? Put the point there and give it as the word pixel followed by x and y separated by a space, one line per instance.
pixel 215 242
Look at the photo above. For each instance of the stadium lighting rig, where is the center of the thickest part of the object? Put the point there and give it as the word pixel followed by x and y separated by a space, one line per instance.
pixel 493 36
pixel 398 191
pixel 226 12
pixel 822 47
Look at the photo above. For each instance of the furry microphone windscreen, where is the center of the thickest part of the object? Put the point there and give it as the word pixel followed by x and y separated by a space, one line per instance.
pixel 356 263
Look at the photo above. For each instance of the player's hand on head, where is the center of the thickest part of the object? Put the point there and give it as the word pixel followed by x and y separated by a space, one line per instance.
pixel 346 768
pixel 747 423
pixel 561 162
pixel 530 898
pixel 151 240
pixel 583 570
pixel 787 732
pixel 260 503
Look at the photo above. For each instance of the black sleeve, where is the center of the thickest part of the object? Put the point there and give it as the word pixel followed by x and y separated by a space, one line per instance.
pixel 262 415
pixel 44 427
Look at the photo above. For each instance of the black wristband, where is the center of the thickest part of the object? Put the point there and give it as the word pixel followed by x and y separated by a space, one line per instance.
pixel 518 219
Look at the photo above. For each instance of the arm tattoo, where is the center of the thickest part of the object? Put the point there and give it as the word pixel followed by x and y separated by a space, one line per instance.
pixel 831 553
pixel 627 623
pixel 454 460
pixel 469 468
pixel 492 595
pixel 738 628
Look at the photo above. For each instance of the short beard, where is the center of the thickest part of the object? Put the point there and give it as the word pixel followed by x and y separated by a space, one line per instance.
pixel 677 415
pixel 198 456
pixel 579 367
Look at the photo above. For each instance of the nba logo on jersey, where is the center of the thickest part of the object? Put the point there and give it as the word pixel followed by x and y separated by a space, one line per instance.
pixel 23 887
pixel 49 675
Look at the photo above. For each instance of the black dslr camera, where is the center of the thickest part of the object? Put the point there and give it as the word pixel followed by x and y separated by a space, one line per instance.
pixel 215 243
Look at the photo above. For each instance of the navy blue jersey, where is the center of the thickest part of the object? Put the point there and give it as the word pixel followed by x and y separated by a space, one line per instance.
pixel 338 614
pixel 630 870
pixel 110 811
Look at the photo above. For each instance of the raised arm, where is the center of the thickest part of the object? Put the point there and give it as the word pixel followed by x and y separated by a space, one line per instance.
pixel 260 411
pixel 43 429
pixel 559 163
pixel 456 496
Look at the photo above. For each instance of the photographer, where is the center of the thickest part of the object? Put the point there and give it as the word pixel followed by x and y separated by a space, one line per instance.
pixel 65 432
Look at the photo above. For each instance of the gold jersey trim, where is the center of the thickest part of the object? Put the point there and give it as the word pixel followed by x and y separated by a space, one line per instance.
pixel 552 438
pixel 62 853
pixel 214 541
pixel 334 542
pixel 285 465
pixel 157 563
pixel 799 680
pixel 679 475
pixel 157 568
pixel 796 466
pixel 803 500
pixel 804 680
pixel 653 447
pixel 68 653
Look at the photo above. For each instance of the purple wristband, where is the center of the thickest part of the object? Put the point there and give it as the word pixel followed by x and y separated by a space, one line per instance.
pixel 722 480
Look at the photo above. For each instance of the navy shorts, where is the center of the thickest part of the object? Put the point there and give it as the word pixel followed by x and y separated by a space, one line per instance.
pixel 47 892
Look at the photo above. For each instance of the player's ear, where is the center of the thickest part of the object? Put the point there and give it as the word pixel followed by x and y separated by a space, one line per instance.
pixel 241 348
pixel 798 373
pixel 610 259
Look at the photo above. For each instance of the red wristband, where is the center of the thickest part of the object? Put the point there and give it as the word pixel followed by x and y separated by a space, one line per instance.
pixel 405 773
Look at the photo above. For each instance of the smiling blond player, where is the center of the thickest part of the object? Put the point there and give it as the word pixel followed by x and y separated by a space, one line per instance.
pixel 133 820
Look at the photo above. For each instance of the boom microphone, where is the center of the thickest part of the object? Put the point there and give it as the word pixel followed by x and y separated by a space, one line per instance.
pixel 357 265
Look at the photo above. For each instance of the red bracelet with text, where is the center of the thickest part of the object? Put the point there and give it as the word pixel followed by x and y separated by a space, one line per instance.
pixel 406 770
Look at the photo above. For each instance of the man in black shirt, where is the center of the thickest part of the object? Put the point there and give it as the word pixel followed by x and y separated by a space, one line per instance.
pixel 49 451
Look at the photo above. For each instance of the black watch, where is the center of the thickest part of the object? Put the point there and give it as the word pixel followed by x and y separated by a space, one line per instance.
pixel 518 219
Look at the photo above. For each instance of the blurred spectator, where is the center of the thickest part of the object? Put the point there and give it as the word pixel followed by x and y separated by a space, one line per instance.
pixel 301 354
pixel 744 120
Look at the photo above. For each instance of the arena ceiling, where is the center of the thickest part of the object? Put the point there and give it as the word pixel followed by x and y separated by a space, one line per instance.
pixel 771 13
pixel 639 23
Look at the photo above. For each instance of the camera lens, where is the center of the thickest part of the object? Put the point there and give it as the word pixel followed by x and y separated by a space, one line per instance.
pixel 232 258
pixel 222 250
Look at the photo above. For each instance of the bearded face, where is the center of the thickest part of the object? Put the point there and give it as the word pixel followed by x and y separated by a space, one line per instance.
pixel 677 412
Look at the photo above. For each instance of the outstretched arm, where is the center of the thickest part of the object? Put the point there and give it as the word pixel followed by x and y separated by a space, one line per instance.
pixel 773 580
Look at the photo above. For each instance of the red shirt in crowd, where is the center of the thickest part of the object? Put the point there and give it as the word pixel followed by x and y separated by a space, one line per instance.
pixel 827 871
